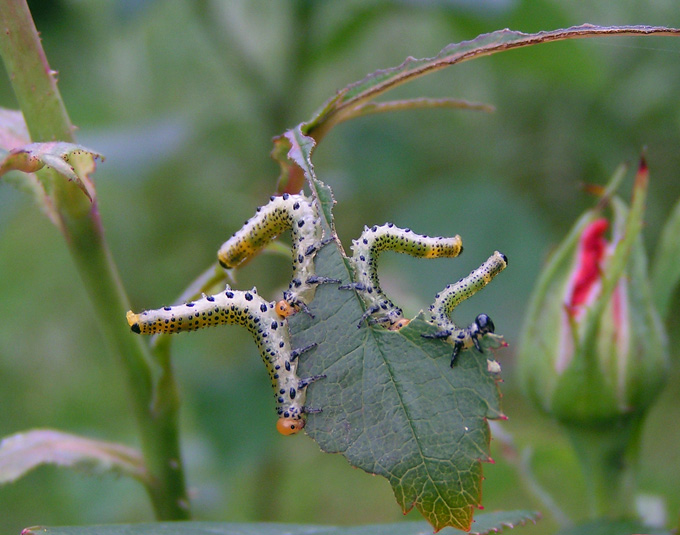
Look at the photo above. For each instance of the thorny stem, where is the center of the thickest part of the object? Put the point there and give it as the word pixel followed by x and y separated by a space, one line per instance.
pixel 36 91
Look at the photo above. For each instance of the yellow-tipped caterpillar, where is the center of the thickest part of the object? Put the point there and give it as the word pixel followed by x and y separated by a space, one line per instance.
pixel 389 237
pixel 297 213
pixel 269 330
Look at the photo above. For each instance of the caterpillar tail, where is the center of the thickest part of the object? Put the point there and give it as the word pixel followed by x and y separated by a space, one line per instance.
pixel 454 294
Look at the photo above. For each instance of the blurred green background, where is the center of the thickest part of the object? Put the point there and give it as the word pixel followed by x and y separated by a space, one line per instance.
pixel 183 98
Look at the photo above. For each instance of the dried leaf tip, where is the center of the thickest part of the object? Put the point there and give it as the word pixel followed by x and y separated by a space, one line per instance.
pixel 642 175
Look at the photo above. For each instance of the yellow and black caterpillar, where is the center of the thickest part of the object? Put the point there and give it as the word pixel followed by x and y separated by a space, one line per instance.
pixel 267 321
pixel 389 237
pixel 380 309
pixel 297 213
pixel 269 330
pixel 451 296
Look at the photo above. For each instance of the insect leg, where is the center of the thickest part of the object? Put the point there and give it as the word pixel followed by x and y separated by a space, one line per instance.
pixel 475 341
pixel 437 335
pixel 358 286
pixel 312 249
pixel 308 380
pixel 316 279
pixel 457 346
pixel 367 314
pixel 297 352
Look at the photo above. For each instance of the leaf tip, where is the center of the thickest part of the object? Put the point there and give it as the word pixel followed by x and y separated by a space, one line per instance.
pixel 642 176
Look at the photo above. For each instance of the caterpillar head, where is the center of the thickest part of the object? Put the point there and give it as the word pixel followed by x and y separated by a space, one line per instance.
pixel 133 321
pixel 289 426
pixel 484 324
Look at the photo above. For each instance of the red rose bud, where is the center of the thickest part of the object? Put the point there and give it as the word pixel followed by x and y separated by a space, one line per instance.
pixel 593 348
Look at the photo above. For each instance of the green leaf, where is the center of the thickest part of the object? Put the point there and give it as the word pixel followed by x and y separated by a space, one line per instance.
pixel 14 134
pixel 13 131
pixel 486 523
pixel 666 268
pixel 413 104
pixel 71 161
pixel 607 526
pixel 381 81
pixel 391 404
pixel 351 101
pixel 22 452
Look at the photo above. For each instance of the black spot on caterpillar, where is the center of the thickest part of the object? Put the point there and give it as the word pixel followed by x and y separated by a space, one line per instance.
pixel 297 213
pixel 389 237
pixel 270 332
pixel 451 296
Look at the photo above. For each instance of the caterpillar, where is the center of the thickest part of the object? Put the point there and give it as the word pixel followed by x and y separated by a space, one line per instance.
pixel 297 213
pixel 389 237
pixel 270 332
pixel 451 296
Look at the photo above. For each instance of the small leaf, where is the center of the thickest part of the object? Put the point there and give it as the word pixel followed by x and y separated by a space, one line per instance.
pixel 22 452
pixel 415 104
pixel 71 161
pixel 498 520
pixel 486 523
pixel 666 268
pixel 14 134
pixel 13 131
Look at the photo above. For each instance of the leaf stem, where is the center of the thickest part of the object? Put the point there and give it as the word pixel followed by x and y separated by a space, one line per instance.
pixel 34 85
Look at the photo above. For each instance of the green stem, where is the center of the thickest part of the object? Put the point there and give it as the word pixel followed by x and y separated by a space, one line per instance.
pixel 156 408
pixel 608 456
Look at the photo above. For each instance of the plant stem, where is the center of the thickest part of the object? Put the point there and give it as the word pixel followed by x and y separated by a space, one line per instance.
pixel 155 406
pixel 608 456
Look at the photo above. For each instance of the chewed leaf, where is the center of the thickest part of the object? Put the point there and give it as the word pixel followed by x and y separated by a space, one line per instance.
pixel 392 405
pixel 72 161
pixel 390 402
pixel 22 452
pixel 486 523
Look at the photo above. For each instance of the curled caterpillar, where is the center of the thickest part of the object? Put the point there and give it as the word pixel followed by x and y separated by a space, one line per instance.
pixel 270 332
pixel 451 296
pixel 389 237
pixel 297 213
